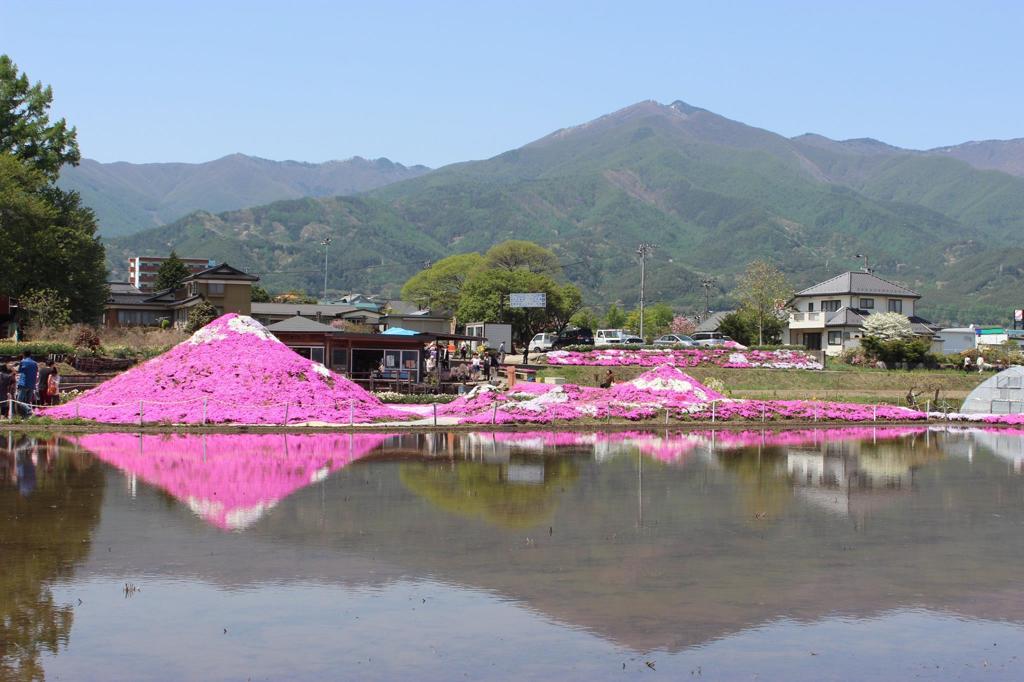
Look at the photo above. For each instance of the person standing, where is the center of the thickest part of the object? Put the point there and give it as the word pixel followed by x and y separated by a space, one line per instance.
pixel 501 353
pixel 526 353
pixel 6 389
pixel 28 375
pixel 42 387
pixel 52 385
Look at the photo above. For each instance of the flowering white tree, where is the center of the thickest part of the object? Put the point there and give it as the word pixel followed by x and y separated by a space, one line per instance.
pixel 887 326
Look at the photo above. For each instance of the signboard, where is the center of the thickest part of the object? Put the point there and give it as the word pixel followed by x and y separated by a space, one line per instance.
pixel 1018 315
pixel 528 300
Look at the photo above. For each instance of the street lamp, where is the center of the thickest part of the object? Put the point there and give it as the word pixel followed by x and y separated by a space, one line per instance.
pixel 325 243
pixel 644 250
pixel 867 268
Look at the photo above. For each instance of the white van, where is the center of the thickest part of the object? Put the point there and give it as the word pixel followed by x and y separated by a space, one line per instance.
pixel 607 337
pixel 541 343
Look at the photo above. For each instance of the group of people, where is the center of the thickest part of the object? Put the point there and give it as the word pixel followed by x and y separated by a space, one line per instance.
pixel 28 384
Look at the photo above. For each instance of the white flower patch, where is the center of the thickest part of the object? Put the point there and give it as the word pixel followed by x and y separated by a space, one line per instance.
pixel 660 384
pixel 541 402
pixel 243 324
pixel 207 334
pixel 321 370
pixel 738 358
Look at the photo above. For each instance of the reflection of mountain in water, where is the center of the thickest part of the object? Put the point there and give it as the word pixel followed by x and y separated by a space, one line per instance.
pixel 45 532
pixel 646 552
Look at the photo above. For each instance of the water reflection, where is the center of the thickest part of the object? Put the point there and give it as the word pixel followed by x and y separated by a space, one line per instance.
pixel 570 546
pixel 49 506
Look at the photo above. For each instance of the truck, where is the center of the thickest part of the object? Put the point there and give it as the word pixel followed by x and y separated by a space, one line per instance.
pixel 491 334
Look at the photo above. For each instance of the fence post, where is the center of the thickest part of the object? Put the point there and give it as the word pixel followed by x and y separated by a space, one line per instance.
pixel 204 411
pixel 874 413
pixel 762 411
pixel 286 407
pixel 666 415
pixel 494 413
pixel 351 413
pixel 140 412
pixel 713 404
pixel 76 409
pixel 435 414
pixel 927 410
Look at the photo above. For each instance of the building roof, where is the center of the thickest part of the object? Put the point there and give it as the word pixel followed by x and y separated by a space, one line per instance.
pixel 300 324
pixel 307 309
pixel 125 293
pixel 399 331
pixel 222 271
pixel 858 283
pixel 713 321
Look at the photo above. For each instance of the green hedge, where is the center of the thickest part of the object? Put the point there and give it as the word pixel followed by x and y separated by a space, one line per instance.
pixel 38 348
pixel 422 399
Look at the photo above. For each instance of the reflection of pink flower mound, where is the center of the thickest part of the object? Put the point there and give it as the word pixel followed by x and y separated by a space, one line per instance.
pixel 746 439
pixel 230 480
pixel 244 375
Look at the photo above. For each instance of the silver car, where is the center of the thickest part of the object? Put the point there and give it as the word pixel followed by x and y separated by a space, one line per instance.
pixel 674 340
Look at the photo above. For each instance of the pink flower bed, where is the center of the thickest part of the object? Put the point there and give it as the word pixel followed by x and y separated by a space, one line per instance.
pixel 241 372
pixel 801 410
pixel 230 481
pixel 690 357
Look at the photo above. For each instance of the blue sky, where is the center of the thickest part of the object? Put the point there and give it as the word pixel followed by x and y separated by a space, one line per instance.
pixel 438 82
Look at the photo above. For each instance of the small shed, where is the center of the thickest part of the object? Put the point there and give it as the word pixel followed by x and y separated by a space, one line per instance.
pixel 1000 394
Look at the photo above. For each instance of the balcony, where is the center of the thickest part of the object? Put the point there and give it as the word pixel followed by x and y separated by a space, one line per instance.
pixel 802 320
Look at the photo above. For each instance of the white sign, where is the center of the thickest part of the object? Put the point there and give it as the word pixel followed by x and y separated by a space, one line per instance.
pixel 1018 315
pixel 528 300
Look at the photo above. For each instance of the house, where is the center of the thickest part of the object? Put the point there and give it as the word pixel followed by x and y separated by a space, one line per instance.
pixel 227 288
pixel 142 270
pixel 326 313
pixel 357 355
pixel 830 315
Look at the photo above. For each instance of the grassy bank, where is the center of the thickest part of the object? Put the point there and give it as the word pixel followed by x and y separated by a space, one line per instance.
pixel 838 383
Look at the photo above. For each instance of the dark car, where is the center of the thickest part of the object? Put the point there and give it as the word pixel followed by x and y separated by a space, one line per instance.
pixel 574 337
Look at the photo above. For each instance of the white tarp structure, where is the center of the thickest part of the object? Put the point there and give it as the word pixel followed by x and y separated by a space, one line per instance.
pixel 1000 394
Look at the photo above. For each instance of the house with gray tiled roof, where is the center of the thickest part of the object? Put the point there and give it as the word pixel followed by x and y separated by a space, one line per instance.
pixel 830 315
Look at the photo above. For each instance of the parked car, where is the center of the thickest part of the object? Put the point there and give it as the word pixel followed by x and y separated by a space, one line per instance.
pixel 674 340
pixel 630 339
pixel 541 343
pixel 607 337
pixel 710 339
pixel 574 337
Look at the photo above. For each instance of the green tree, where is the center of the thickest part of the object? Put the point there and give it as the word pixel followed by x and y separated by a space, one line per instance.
pixel 614 318
pixel 260 295
pixel 585 319
pixel 485 299
pixel 49 238
pixel 516 254
pixel 171 273
pixel 762 291
pixel 657 320
pixel 199 316
pixel 439 286
pixel 741 326
pixel 26 132
pixel 46 308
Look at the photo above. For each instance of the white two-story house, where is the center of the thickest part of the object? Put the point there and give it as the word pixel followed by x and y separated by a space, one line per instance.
pixel 829 316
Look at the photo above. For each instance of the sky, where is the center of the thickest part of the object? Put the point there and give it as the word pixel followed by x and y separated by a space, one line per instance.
pixel 439 82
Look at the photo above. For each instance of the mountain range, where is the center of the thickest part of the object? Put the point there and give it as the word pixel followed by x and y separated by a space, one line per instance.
pixel 710 192
pixel 130 197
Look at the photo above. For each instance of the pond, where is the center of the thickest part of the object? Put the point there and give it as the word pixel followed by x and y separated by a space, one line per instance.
pixel 842 554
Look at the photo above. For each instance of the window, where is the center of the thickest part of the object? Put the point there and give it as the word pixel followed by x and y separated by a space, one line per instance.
pixel 895 305
pixel 867 303
pixel 339 359
pixel 314 353
pixel 215 288
pixel 835 338
pixel 128 318
pixel 810 307
pixel 830 306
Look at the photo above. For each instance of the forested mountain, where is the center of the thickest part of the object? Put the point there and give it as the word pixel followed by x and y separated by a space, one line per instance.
pixel 129 197
pixel 710 192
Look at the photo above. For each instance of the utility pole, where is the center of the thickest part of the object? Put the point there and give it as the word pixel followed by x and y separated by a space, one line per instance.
pixel 325 243
pixel 867 267
pixel 707 283
pixel 644 250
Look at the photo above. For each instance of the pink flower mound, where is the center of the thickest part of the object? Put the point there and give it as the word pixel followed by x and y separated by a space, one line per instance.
pixel 241 371
pixel 736 357
pixel 230 481
pixel 665 386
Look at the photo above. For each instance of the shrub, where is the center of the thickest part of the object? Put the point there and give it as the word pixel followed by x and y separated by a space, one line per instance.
pixel 911 351
pixel 87 340
pixel 38 349
pixel 200 316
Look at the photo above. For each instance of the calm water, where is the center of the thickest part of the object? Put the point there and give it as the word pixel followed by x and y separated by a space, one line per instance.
pixel 809 555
